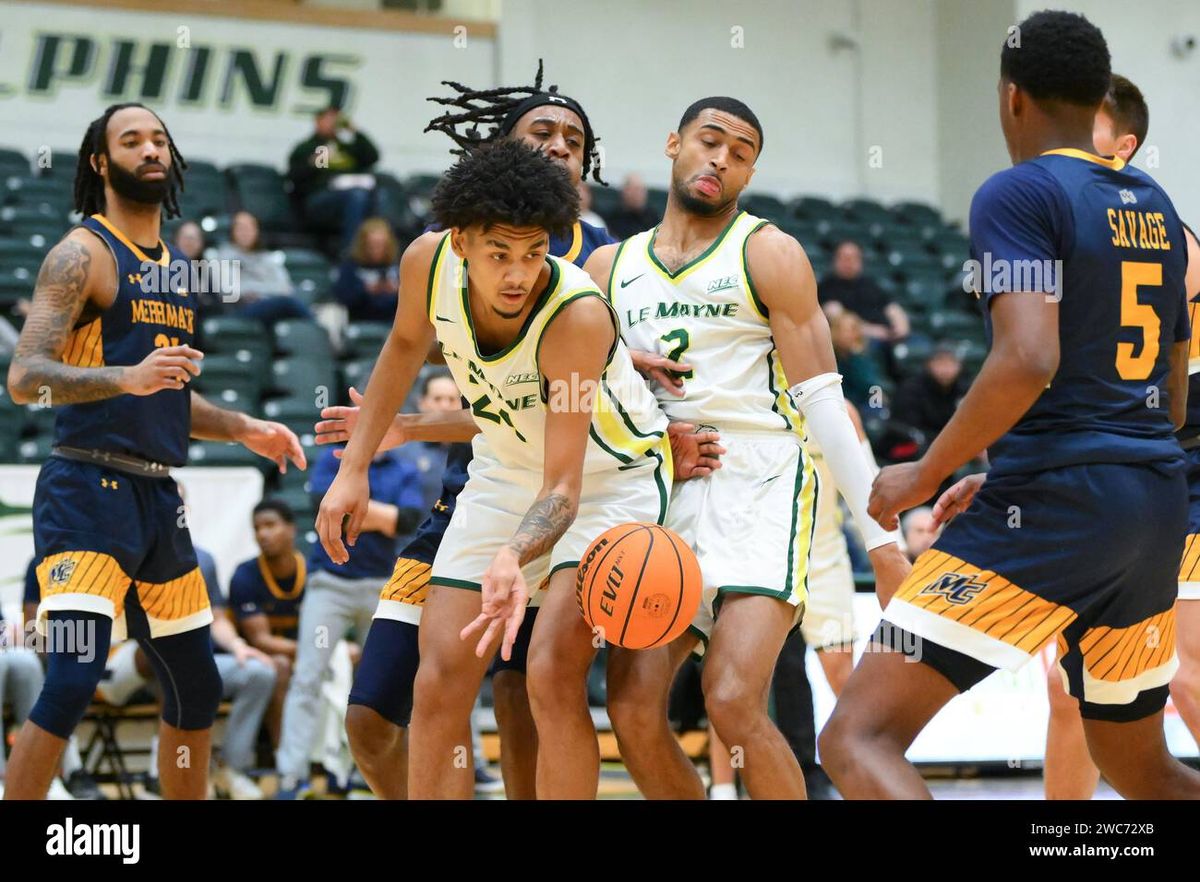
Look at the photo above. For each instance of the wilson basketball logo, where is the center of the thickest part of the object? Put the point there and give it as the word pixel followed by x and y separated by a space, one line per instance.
pixel 955 587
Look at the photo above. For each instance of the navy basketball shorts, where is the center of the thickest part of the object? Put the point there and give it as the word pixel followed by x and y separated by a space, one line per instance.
pixel 1189 567
pixel 1084 555
pixel 100 534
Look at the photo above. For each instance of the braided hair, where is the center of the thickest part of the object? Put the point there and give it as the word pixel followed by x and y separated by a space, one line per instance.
pixel 495 108
pixel 89 185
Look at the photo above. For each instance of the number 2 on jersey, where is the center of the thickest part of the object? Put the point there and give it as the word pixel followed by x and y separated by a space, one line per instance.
pixel 1136 274
pixel 682 341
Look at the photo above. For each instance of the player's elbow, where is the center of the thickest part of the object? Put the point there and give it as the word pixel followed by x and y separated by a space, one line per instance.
pixel 22 387
pixel 1032 365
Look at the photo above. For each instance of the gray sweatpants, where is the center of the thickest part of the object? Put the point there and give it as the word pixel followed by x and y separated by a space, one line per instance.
pixel 331 605
pixel 21 681
pixel 249 687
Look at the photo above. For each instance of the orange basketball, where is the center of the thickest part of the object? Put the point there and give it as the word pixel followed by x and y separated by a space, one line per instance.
pixel 640 584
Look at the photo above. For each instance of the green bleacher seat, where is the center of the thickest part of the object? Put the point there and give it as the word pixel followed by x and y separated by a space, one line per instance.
pixel 916 213
pixel 39 420
pixel 656 198
pixel 356 373
pixel 254 174
pixel 954 325
pixel 422 184
pixel 764 205
pixel 910 354
pixel 365 339
pixel 812 207
pixel 218 453
pixel 54 193
pixel 312 284
pixel 34 451
pixel 270 204
pixel 299 337
pixel 228 333
pixel 866 211
pixel 14 163
pixel 303 375
pixel 299 500
pixel 605 200
pixel 292 408
pixel 295 258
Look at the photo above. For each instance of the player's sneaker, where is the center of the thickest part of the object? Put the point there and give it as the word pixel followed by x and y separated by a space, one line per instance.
pixel 293 788
pixel 84 786
pixel 58 790
pixel 232 784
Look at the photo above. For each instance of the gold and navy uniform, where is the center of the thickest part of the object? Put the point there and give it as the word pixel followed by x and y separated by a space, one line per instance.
pixel 253 590
pixel 1189 437
pixel 101 531
pixel 1076 535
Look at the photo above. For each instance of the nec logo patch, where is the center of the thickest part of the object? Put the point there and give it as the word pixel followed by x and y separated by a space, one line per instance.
pixel 955 587
pixel 61 572
pixel 1127 197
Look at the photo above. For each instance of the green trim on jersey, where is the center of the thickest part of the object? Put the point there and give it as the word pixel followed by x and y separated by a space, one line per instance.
pixel 455 583
pixel 775 393
pixel 624 415
pixel 551 289
pixel 664 494
pixel 620 457
pixel 433 272
pixel 755 301
pixel 694 262
pixel 560 306
pixel 612 271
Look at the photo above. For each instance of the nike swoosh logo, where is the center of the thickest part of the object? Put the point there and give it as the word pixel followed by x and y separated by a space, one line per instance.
pixel 631 281
pixel 443 318
pixel 770 479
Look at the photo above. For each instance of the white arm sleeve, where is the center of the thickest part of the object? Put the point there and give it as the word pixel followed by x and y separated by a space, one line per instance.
pixel 821 401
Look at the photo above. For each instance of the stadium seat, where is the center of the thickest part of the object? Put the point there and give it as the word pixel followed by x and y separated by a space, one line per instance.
pixel 13 162
pixel 54 193
pixel 605 200
pixel 916 213
pixel 228 333
pixel 34 451
pixel 866 211
pixel 365 339
pixel 297 337
pixel 764 205
pixel 302 375
pixel 356 373
pixel 812 208
pixel 218 453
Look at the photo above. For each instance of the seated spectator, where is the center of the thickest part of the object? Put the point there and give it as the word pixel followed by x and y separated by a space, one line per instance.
pixel 265 595
pixel 190 242
pixel 21 681
pixel 861 382
pixel 261 288
pixel 585 208
pixel 919 531
pixel 635 213
pixel 340 597
pixel 927 400
pixel 369 278
pixel 883 319
pixel 329 172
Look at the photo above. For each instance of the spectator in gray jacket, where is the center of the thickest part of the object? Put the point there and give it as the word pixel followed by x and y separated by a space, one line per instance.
pixel 261 288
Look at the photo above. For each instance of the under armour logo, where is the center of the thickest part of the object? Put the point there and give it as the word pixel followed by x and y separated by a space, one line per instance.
pixel 109 484
pixel 134 278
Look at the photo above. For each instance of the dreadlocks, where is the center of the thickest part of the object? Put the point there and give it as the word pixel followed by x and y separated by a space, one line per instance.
pixel 499 108
pixel 89 185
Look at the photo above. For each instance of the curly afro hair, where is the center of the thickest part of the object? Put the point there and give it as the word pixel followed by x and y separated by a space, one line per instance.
pixel 1058 56
pixel 506 182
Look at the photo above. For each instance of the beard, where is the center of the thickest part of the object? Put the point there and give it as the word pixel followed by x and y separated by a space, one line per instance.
pixel 694 205
pixel 129 186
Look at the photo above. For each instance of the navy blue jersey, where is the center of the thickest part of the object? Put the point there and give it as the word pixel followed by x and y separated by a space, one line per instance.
pixel 253 590
pixel 1105 238
pixel 152 309
pixel 577 248
pixel 1192 427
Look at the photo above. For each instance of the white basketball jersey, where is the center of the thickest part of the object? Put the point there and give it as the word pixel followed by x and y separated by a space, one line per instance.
pixel 706 314
pixel 508 395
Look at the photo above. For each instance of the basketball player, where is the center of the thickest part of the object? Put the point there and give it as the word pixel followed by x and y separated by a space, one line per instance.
pixel 518 329
pixel 113 352
pixel 381 701
pixel 1120 130
pixel 735 298
pixel 1076 535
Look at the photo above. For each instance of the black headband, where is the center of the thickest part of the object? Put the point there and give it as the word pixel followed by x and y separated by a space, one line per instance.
pixel 541 99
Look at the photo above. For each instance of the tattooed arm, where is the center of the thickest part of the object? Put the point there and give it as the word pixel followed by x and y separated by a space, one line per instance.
pixel 573 353
pixel 78 279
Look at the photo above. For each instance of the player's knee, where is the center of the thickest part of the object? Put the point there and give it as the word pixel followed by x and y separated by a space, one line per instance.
pixel 1185 686
pixel 438 686
pixel 187 673
pixel 734 707
pixel 370 734
pixel 66 693
pixel 636 710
